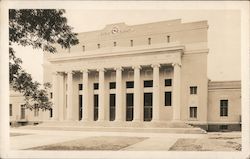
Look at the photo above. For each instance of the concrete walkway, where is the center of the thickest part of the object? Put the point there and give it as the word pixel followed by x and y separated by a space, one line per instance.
pixel 32 138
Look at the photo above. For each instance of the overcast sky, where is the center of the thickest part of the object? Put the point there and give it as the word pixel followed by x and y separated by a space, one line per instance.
pixel 223 35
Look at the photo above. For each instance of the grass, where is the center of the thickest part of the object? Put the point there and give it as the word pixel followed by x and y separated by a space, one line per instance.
pixel 113 143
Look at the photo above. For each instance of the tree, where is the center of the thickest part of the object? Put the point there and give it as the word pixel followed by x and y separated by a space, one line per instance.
pixel 41 29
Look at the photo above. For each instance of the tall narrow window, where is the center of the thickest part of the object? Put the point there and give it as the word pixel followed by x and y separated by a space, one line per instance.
pixel 114 43
pixel 168 98
pixel 193 112
pixel 50 112
pixel 51 95
pixel 10 109
pixel 168 38
pixel 131 43
pixel 36 112
pixel 83 48
pixel 149 41
pixel 98 46
pixel 193 90
pixel 223 107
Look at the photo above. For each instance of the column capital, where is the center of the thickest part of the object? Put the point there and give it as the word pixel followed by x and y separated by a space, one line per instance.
pixel 84 71
pixel 101 70
pixel 69 72
pixel 155 65
pixel 136 67
pixel 118 68
pixel 176 64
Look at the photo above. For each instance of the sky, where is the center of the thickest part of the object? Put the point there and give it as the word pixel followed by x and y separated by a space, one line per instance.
pixel 223 35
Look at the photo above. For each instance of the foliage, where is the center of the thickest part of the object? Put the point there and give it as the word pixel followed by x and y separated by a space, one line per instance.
pixel 41 29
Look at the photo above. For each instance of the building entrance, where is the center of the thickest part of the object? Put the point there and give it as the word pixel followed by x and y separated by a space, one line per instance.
pixel 148 101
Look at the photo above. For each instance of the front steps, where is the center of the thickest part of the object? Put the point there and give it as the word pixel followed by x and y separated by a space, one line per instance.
pixel 140 127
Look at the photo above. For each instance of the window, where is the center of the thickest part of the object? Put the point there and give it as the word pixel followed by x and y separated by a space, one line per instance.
pixel 168 98
pixel 168 38
pixel 10 110
pixel 22 111
pixel 96 100
pixel 131 43
pixel 223 107
pixel 51 95
pixel 114 44
pixel 36 111
pixel 96 86
pixel 98 46
pixel 95 107
pixel 193 112
pixel 148 83
pixel 129 84
pixel 168 82
pixel 149 41
pixel 80 86
pixel 112 85
pixel 148 100
pixel 129 106
pixel 83 48
pixel 193 90
pixel 51 112
pixel 130 99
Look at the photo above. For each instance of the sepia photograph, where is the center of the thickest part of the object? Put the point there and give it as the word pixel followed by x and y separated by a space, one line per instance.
pixel 125 80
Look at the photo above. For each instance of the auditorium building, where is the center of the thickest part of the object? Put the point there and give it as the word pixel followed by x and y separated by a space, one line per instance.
pixel 155 72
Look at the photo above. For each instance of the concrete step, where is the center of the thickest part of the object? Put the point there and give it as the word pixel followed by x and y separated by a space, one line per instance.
pixel 148 127
pixel 118 124
pixel 120 129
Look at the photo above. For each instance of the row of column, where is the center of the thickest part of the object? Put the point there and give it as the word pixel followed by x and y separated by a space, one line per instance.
pixel 120 108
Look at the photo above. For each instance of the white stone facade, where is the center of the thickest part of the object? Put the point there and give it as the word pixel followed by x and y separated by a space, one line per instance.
pixel 166 61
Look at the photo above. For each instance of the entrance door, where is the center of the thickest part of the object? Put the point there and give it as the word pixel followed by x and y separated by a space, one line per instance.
pixel 95 107
pixel 22 112
pixel 148 100
pixel 80 107
pixel 112 107
pixel 129 106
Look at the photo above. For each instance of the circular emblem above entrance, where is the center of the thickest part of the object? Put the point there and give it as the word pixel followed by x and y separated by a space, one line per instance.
pixel 115 30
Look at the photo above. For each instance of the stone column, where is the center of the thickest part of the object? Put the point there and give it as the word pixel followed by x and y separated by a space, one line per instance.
pixel 176 91
pixel 55 107
pixel 101 113
pixel 156 92
pixel 61 96
pixel 85 96
pixel 137 95
pixel 119 107
pixel 69 95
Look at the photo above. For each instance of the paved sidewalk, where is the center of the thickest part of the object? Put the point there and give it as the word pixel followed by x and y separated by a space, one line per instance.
pixel 29 138
pixel 34 138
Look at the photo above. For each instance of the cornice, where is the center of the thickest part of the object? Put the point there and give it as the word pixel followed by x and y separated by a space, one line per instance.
pixel 152 49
